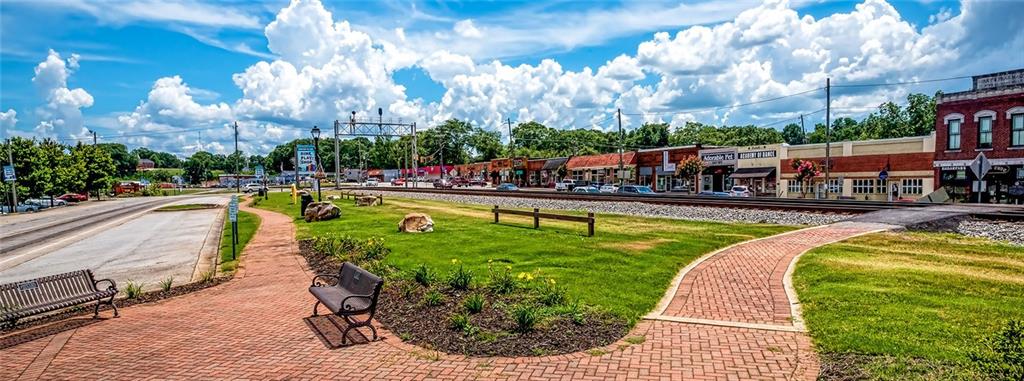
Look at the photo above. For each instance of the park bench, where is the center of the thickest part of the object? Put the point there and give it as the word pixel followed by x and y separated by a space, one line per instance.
pixel 27 298
pixel 537 215
pixel 350 293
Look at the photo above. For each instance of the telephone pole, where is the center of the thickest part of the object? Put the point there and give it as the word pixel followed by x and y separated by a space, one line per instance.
pixel 803 139
pixel 238 183
pixel 511 140
pixel 618 113
pixel 828 132
pixel 14 183
pixel 337 156
pixel 93 136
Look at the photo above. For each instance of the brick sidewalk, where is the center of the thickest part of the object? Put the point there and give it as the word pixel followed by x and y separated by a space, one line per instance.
pixel 252 328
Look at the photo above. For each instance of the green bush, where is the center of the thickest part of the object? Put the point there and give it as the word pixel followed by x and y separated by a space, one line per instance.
pixel 525 317
pixel 166 283
pixel 575 311
pixel 132 290
pixel 458 322
pixel 550 293
pixel 433 298
pixel 460 278
pixel 502 281
pixel 474 303
pixel 1001 356
pixel 374 249
pixel 423 275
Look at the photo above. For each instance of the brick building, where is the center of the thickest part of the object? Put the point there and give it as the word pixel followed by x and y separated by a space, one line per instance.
pixel 656 167
pixel 601 168
pixel 987 121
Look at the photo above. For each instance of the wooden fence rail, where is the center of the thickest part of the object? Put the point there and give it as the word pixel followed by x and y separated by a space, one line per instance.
pixel 537 215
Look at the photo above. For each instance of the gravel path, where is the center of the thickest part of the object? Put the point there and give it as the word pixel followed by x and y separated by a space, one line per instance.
pixel 695 213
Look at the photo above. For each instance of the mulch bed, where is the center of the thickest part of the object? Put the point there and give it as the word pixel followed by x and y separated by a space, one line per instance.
pixel 401 310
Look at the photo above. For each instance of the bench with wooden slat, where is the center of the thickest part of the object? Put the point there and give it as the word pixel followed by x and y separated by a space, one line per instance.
pixel 537 215
pixel 28 298
pixel 350 293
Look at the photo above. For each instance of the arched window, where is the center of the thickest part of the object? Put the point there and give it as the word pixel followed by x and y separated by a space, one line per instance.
pixel 953 122
pixel 984 119
pixel 1016 117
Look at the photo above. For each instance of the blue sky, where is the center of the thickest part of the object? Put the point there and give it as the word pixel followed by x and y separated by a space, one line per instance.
pixel 168 68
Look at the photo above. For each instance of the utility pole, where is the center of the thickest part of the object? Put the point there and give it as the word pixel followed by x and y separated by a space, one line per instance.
pixel 352 125
pixel 337 156
pixel 511 140
pixel 618 113
pixel 828 132
pixel 93 136
pixel 238 183
pixel 444 143
pixel 803 139
pixel 14 183
pixel 415 157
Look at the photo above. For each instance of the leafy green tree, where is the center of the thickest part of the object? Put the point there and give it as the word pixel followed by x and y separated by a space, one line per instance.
pixel 649 135
pixel 98 167
pixel 198 167
pixel 125 162
pixel 485 145
pixel 447 140
pixel 792 134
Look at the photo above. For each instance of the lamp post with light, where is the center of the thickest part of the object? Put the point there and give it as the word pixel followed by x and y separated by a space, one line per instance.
pixel 316 154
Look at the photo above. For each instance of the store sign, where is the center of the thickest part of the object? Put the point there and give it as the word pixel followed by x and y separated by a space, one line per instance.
pixel 999 80
pixel 668 166
pixel 519 162
pixel 718 157
pixel 749 155
pixel 306 159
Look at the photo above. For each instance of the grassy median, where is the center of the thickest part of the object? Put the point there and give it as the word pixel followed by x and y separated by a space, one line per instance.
pixel 908 305
pixel 247 225
pixel 625 268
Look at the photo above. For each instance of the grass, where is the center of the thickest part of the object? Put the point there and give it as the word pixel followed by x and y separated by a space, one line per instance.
pixel 625 268
pixel 184 207
pixel 917 303
pixel 247 225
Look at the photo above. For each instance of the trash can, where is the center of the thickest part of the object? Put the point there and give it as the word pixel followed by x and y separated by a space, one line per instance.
pixel 263 192
pixel 306 200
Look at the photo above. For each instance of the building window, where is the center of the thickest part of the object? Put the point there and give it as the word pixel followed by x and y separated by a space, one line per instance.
pixel 796 187
pixel 913 186
pixel 835 186
pixel 954 134
pixel 577 175
pixel 881 186
pixel 985 132
pixel 1017 132
pixel 863 186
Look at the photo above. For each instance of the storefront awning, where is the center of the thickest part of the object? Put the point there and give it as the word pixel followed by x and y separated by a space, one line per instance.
pixel 752 173
pixel 646 171
pixel 553 164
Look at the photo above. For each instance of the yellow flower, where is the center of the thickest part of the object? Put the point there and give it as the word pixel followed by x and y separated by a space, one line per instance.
pixel 509 268
pixel 552 281
pixel 529 277
pixel 454 261
pixel 490 261
pixel 521 275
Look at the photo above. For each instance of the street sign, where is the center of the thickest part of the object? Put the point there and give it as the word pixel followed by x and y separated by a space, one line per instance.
pixel 9 173
pixel 883 175
pixel 306 159
pixel 981 165
pixel 259 171
pixel 233 209
pixel 979 186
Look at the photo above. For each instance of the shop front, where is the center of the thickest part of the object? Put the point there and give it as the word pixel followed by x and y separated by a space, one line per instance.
pixel 757 168
pixel 657 168
pixel 549 171
pixel 719 164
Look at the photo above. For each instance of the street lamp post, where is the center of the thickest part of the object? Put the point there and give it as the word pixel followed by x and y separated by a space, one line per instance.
pixel 316 154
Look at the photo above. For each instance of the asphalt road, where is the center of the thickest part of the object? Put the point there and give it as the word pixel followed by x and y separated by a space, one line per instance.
pixel 120 239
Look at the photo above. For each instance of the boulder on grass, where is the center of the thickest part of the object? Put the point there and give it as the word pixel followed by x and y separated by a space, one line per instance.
pixel 416 223
pixel 367 201
pixel 321 211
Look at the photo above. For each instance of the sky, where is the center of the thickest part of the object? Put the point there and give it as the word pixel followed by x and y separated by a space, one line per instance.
pixel 175 75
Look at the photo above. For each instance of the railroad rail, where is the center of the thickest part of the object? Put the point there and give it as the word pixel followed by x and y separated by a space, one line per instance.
pixel 768 203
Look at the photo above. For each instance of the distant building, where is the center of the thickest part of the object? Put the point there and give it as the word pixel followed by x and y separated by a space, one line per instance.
pixel 145 165
pixel 987 121
pixel 656 167
pixel 602 168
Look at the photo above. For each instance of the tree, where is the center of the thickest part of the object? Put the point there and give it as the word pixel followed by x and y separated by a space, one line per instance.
pixel 690 167
pixel 446 140
pixel 793 134
pixel 124 162
pixel 198 167
pixel 806 171
pixel 99 168
pixel 485 145
pixel 649 135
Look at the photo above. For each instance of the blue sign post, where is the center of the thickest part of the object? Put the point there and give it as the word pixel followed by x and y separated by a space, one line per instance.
pixel 9 173
pixel 883 175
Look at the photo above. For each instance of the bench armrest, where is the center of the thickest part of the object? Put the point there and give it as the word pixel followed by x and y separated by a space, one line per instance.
pixel 112 286
pixel 321 280
pixel 347 307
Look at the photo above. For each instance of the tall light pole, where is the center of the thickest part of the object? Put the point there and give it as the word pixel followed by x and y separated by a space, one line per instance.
pixel 618 113
pixel 316 154
pixel 337 156
pixel 828 133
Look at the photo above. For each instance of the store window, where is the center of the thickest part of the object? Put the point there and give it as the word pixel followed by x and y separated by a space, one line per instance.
pixel 881 186
pixel 954 134
pixel 1017 132
pixel 985 132
pixel 863 186
pixel 795 187
pixel 835 186
pixel 577 175
pixel 913 186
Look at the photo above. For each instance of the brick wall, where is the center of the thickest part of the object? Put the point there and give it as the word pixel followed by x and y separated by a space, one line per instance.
pixel 675 155
pixel 969 128
pixel 921 161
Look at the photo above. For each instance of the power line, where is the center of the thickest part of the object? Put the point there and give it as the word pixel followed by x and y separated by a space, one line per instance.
pixel 732 106
pixel 917 82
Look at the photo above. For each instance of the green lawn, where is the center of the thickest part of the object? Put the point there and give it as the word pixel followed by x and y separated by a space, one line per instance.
pixel 247 225
pixel 912 297
pixel 625 268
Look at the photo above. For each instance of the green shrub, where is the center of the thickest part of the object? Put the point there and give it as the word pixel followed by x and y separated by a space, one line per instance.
pixel 433 298
pixel 166 283
pixel 374 249
pixel 423 275
pixel 575 311
pixel 458 322
pixel 460 278
pixel 207 276
pixel 502 281
pixel 132 290
pixel 550 293
pixel 474 303
pixel 1001 356
pixel 525 317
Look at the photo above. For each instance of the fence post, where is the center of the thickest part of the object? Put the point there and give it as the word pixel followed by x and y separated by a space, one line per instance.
pixel 590 224
pixel 536 218
pixel 495 214
pixel 380 199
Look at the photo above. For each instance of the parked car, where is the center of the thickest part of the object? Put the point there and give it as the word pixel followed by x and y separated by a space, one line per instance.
pixel 478 182
pixel 609 188
pixel 636 189
pixel 565 185
pixel 253 187
pixel 714 194
pixel 507 187
pixel 586 190
pixel 443 184
pixel 22 208
pixel 73 197
pixel 459 182
pixel 680 189
pixel 44 203
pixel 397 182
pixel 371 183
pixel 740 191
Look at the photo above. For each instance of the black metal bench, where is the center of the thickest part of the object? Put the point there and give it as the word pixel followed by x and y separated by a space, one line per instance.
pixel 27 298
pixel 350 293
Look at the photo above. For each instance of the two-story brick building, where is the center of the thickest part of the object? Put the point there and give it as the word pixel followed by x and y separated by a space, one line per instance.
pixel 987 121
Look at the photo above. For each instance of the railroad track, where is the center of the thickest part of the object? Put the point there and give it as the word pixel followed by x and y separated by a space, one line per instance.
pixel 804 205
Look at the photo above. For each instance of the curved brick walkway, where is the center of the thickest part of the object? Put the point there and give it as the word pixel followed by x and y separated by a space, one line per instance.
pixel 253 327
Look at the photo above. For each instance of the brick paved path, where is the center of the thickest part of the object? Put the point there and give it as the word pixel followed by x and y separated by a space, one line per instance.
pixel 253 328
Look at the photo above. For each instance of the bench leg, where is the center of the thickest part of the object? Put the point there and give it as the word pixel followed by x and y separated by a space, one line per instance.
pixel 315 313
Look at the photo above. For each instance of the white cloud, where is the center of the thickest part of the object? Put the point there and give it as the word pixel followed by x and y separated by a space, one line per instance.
pixel 61 115
pixel 176 11
pixel 171 107
pixel 465 28
pixel 8 119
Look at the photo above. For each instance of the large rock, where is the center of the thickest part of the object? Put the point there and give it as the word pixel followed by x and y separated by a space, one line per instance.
pixel 416 223
pixel 321 211
pixel 366 201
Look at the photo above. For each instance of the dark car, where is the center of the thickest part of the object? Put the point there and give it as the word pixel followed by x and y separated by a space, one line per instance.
pixel 636 189
pixel 459 182
pixel 73 197
pixel 507 187
pixel 443 184
pixel 478 182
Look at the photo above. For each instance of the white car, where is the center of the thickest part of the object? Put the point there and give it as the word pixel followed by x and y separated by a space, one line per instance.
pixel 44 203
pixel 565 185
pixel 371 182
pixel 740 191
pixel 609 188
pixel 253 187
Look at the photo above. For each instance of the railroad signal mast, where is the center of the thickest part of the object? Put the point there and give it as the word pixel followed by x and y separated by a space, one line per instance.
pixel 374 128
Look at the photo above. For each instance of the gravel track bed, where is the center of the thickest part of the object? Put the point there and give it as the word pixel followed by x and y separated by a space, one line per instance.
pixel 1012 232
pixel 695 213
